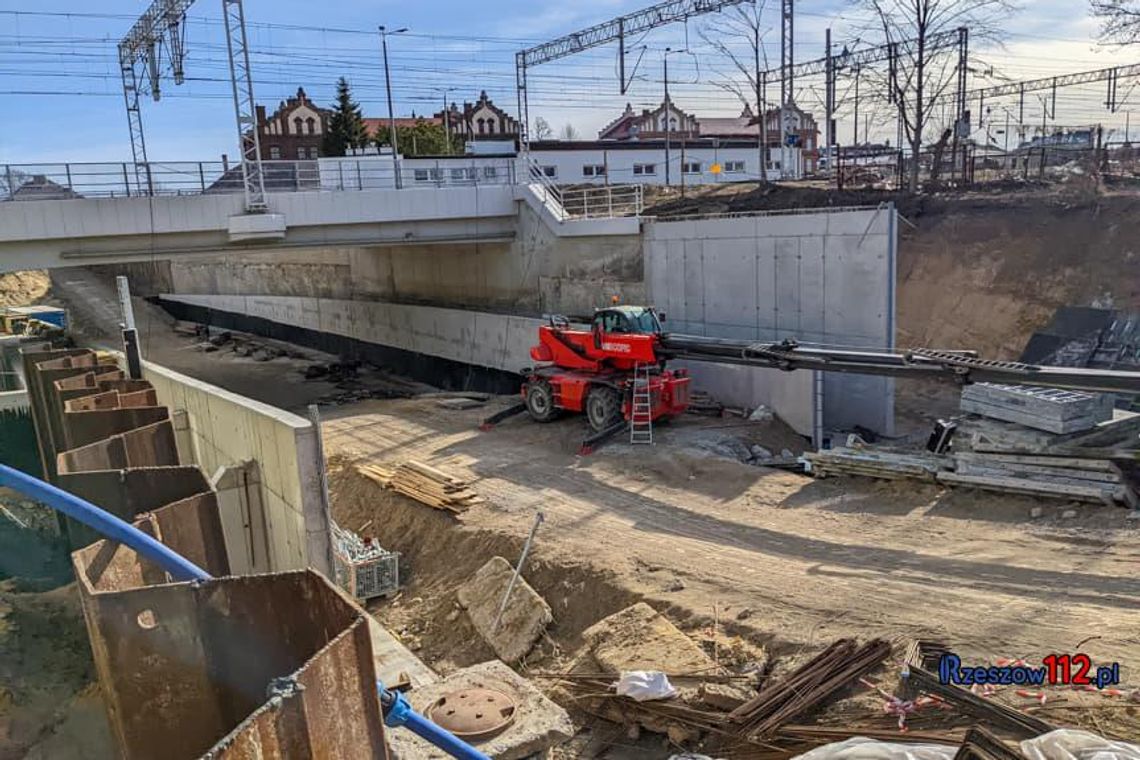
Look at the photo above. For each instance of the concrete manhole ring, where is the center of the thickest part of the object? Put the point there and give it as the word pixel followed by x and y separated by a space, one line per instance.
pixel 473 713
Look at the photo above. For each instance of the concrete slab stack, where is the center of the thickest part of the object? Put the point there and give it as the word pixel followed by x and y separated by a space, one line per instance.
pixel 1048 409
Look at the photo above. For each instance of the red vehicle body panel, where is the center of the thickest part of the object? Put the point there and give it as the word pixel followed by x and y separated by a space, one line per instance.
pixel 575 360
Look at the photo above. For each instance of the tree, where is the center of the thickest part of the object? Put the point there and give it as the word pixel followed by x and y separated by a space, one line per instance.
pixel 1119 20
pixel 542 130
pixel 923 75
pixel 11 181
pixel 424 138
pixel 568 133
pixel 742 23
pixel 346 125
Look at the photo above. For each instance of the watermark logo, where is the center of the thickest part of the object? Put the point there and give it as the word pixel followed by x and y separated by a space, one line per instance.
pixel 1055 670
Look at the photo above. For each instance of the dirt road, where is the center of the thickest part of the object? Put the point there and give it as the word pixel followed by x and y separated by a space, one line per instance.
pixel 811 560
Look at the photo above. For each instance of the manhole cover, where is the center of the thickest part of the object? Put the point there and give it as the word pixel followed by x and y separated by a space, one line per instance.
pixel 473 712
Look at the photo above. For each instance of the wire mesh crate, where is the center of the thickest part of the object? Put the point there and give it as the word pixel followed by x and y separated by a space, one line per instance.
pixel 363 568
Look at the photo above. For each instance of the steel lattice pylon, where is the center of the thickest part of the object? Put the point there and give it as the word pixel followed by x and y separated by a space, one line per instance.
pixel 160 28
pixel 787 52
pixel 245 109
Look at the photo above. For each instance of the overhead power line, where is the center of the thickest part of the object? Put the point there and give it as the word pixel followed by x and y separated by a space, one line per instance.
pixel 614 29
pixel 608 31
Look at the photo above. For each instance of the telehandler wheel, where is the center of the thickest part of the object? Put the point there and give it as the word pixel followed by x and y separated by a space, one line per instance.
pixel 540 401
pixel 603 407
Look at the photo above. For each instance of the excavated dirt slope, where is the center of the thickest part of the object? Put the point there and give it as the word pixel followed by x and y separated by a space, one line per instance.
pixel 985 273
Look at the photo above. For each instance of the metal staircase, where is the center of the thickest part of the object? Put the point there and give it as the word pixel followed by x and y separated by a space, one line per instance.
pixel 641 413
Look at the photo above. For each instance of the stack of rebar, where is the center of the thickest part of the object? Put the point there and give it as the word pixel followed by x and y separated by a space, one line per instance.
pixel 839 665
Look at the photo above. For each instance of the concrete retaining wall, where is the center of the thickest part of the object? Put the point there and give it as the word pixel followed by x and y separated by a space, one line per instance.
pixel 824 277
pixel 228 429
pixel 495 341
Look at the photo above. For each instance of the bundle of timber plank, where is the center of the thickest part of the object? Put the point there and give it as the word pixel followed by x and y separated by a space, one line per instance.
pixel 1074 478
pixel 878 463
pixel 426 484
pixel 1094 476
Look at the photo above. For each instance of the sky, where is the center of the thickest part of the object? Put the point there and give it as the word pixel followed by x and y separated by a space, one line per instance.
pixel 60 79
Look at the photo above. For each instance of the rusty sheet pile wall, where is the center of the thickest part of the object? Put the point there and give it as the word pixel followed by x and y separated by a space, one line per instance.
pixel 269 666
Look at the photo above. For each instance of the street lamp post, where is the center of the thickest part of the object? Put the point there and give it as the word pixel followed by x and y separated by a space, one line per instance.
pixel 391 113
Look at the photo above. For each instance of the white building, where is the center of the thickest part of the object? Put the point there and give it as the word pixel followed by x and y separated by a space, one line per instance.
pixel 697 162
pixel 691 162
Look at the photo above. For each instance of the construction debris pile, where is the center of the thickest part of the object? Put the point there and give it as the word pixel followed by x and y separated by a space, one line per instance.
pixel 1030 441
pixel 426 484
pixel 637 669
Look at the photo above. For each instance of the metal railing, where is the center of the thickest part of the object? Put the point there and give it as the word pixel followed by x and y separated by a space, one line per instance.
pixel 549 192
pixel 31 182
pixel 28 182
pixel 585 201
pixel 602 201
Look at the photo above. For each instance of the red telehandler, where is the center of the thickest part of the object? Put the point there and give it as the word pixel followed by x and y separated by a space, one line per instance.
pixel 595 371
pixel 614 369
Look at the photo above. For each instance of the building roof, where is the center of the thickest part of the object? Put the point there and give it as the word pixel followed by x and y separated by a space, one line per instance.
pixel 39 187
pixel 721 127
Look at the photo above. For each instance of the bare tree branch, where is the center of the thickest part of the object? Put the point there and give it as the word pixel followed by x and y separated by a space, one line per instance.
pixel 744 24
pixel 1119 20
pixel 923 75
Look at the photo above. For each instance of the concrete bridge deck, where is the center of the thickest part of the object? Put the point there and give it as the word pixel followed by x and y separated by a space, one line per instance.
pixel 44 225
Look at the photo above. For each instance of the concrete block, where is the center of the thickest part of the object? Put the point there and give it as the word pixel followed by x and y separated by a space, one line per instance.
pixel 1049 409
pixel 1044 402
pixel 539 724
pixel 526 616
pixel 640 638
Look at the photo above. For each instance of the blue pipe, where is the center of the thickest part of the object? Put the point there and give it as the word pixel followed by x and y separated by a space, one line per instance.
pixel 397 711
pixel 106 523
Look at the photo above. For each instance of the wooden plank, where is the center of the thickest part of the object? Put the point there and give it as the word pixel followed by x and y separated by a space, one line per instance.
pixel 1072 463
pixel 1055 474
pixel 1089 494
pixel 1063 451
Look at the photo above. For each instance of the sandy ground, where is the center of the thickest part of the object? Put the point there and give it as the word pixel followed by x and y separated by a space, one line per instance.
pixel 788 563
pixel 811 560
pixel 23 288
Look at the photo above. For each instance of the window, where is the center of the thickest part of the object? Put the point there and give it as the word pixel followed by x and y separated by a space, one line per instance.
pixel 464 175
pixel 612 322
pixel 691 167
pixel 482 126
pixel 421 175
pixel 427 175
pixel 644 169
pixel 733 167
pixel 314 153
pixel 550 171
pixel 275 152
pixel 594 170
pixel 490 126
pixel 297 126
pixel 302 153
pixel 490 172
